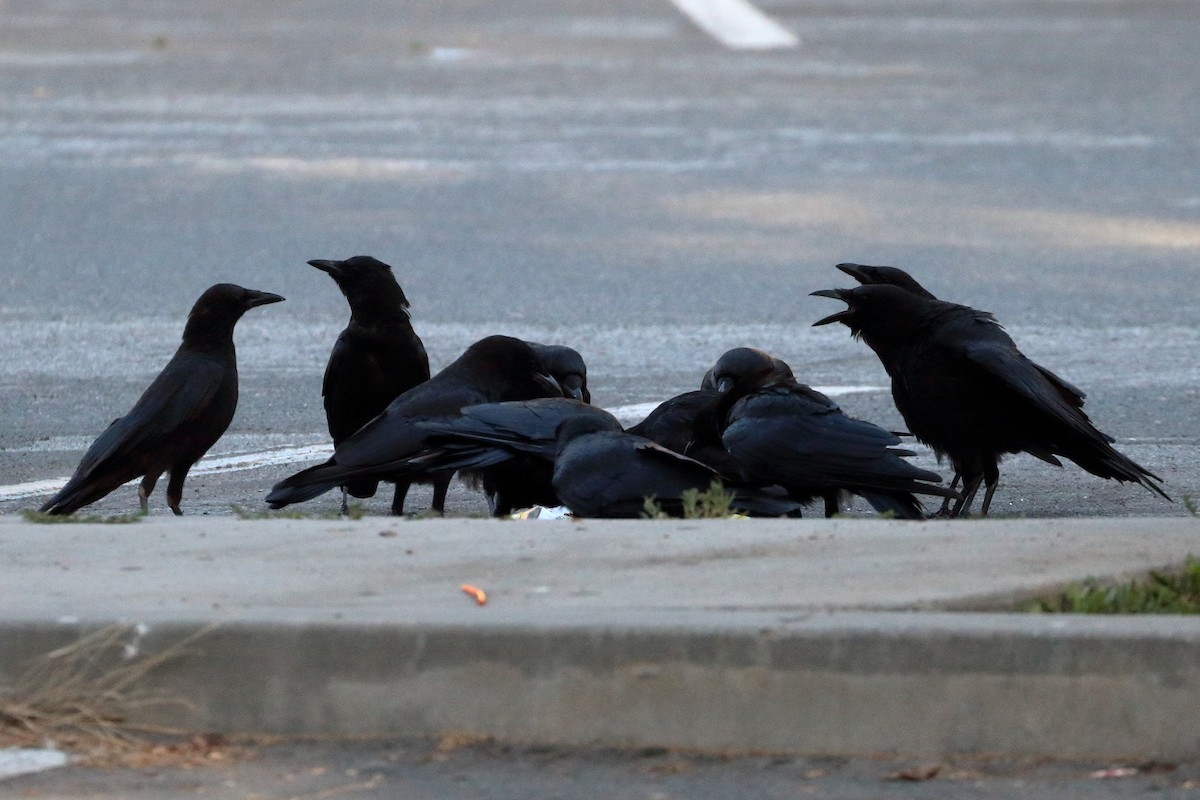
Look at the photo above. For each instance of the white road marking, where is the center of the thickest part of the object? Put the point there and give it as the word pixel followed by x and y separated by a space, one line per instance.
pixel 241 462
pixel 737 24
pixel 16 761
pixel 206 466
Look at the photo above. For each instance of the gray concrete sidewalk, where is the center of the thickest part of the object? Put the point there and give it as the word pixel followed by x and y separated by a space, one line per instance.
pixel 850 636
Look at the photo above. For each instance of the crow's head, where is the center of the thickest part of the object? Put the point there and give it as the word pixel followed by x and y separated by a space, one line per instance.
pixel 746 369
pixel 368 284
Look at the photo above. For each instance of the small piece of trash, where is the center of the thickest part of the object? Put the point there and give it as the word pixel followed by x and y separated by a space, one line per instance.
pixel 916 774
pixel 1113 772
pixel 542 512
pixel 479 595
pixel 16 761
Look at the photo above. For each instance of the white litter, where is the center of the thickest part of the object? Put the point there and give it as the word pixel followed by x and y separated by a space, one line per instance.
pixel 16 761
pixel 541 512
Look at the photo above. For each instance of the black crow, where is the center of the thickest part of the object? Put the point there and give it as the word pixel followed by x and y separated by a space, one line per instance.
pixel 894 276
pixel 779 431
pixel 491 370
pixel 567 367
pixel 506 448
pixel 672 422
pixel 689 423
pixel 965 390
pixel 179 416
pixel 375 359
pixel 601 472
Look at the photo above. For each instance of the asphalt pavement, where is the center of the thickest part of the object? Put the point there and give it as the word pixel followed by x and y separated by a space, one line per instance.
pixel 605 175
pixel 609 176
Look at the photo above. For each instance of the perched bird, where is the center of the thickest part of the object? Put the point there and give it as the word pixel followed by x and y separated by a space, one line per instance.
pixel 601 472
pixel 567 367
pixel 965 390
pixel 375 359
pixel 180 415
pixel 779 431
pixel 493 369
pixel 507 448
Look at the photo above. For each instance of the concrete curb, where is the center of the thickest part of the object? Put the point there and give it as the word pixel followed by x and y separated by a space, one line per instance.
pixel 636 667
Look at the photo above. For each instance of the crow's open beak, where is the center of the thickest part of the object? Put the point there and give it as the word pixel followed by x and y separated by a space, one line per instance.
pixel 836 294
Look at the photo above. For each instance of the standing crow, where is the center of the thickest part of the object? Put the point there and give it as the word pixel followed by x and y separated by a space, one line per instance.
pixel 779 431
pixel 179 416
pixel 375 359
pixel 491 370
pixel 601 472
pixel 965 389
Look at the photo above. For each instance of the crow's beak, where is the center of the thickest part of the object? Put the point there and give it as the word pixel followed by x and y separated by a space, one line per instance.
pixel 724 385
pixel 552 387
pixel 854 271
pixel 836 294
pixel 255 298
pixel 334 268
pixel 572 387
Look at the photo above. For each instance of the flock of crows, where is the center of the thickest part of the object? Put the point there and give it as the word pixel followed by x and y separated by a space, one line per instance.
pixel 514 418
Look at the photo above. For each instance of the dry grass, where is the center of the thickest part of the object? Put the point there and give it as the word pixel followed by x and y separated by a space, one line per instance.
pixel 84 698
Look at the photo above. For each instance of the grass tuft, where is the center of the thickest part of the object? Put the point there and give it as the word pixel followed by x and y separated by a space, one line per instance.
pixel 43 518
pixel 712 503
pixel 83 696
pixel 353 511
pixel 1158 593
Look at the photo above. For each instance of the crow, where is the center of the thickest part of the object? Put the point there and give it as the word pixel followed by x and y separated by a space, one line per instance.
pixel 672 423
pixel 375 359
pixel 601 472
pixel 567 367
pixel 965 390
pixel 507 448
pixel 689 423
pixel 492 369
pixel 779 431
pixel 894 276
pixel 524 481
pixel 180 415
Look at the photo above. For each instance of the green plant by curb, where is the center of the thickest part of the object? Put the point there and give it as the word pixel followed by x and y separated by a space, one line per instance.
pixel 80 519
pixel 713 503
pixel 354 511
pixel 1159 593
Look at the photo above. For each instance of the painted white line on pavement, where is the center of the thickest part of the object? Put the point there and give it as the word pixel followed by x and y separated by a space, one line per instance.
pixel 737 24
pixel 240 462
pixel 206 466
